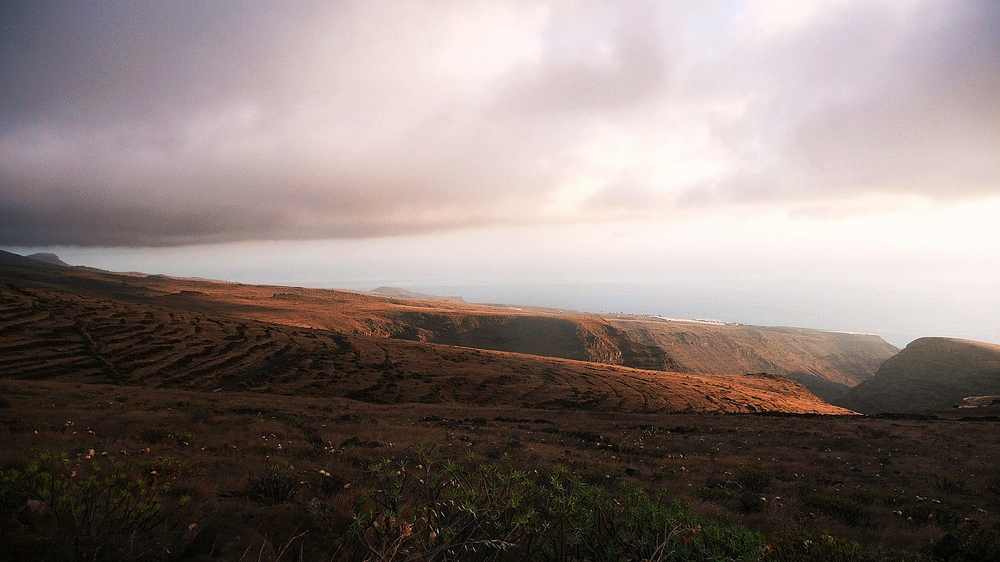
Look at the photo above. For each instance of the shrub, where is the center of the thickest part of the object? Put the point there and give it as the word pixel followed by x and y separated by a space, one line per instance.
pixel 330 484
pixel 994 485
pixel 714 493
pixel 949 485
pixel 273 487
pixel 753 478
pixel 742 491
pixel 845 509
pixel 969 543
pixel 418 510
pixel 154 435
pixel 200 414
pixel 90 511
pixel 825 548
pixel 752 502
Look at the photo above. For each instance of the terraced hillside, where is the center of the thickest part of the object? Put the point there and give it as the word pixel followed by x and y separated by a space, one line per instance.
pixel 827 363
pixel 55 335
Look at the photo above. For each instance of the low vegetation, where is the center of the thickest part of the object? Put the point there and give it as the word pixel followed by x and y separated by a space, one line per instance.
pixel 422 505
pixel 412 509
pixel 426 511
pixel 91 509
pixel 275 486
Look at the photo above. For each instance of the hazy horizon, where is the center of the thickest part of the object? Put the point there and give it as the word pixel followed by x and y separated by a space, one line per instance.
pixel 824 164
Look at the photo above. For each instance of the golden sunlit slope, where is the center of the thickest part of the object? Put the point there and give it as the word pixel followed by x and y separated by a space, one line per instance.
pixel 828 363
pixel 930 374
pixel 60 335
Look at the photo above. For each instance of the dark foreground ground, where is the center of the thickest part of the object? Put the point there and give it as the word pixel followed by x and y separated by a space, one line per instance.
pixel 250 476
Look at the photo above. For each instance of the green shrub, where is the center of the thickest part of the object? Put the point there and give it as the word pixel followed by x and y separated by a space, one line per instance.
pixel 200 414
pixel 275 486
pixel 949 485
pixel 716 494
pixel 418 510
pixel 154 435
pixel 846 509
pixel 825 548
pixel 994 485
pixel 91 510
pixel 752 502
pixel 742 491
pixel 753 478
pixel 969 543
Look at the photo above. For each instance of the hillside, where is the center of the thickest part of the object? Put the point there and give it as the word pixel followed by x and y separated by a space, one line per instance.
pixel 827 363
pixel 57 335
pixel 48 258
pixel 929 374
pixel 400 293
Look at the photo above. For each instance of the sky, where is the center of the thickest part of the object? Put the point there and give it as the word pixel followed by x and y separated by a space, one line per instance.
pixel 831 164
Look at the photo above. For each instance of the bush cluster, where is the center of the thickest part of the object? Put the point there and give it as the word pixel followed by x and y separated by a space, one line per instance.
pixel 422 511
pixel 89 510
pixel 277 485
pixel 55 508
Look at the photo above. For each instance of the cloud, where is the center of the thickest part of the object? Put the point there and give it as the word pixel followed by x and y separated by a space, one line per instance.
pixel 151 123
pixel 876 102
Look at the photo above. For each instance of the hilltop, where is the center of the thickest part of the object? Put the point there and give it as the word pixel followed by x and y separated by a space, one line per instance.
pixel 929 374
pixel 48 258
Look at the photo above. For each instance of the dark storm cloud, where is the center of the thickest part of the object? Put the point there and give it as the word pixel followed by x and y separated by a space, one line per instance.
pixel 161 123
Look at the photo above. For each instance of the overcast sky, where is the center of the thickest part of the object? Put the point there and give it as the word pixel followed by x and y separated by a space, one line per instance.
pixel 833 150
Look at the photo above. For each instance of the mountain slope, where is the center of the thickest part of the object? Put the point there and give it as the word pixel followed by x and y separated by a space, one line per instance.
pixel 929 374
pixel 827 363
pixel 53 334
